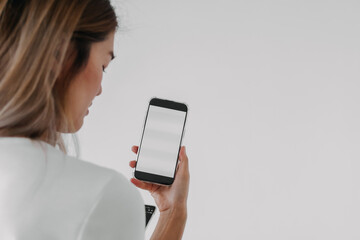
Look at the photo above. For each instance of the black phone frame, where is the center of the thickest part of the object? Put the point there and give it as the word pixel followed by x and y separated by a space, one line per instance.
pixel 150 177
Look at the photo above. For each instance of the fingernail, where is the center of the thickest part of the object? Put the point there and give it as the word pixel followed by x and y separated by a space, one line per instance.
pixel 184 149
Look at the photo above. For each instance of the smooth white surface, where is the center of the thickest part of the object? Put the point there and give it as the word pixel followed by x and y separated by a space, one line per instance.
pixel 273 128
pixel 160 142
pixel 45 194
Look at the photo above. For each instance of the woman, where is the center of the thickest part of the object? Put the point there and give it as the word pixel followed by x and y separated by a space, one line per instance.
pixel 52 54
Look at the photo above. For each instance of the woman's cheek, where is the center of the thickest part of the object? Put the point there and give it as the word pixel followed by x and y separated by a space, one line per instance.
pixel 94 77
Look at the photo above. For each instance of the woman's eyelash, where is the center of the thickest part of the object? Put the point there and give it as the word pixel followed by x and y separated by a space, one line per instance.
pixel 103 69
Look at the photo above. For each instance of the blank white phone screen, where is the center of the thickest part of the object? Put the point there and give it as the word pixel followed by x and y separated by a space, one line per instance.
pixel 161 140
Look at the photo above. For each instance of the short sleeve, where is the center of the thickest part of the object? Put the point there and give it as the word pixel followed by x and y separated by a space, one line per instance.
pixel 119 213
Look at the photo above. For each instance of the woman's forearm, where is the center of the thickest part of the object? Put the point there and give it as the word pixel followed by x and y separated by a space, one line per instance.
pixel 171 224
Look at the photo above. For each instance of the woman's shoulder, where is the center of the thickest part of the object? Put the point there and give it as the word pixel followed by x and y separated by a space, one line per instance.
pixel 36 163
pixel 118 210
pixel 64 193
pixel 81 172
pixel 111 181
pixel 117 207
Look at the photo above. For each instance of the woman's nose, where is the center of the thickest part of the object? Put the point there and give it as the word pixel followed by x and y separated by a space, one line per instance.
pixel 99 92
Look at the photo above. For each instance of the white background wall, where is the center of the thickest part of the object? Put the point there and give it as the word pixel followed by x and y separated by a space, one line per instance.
pixel 273 133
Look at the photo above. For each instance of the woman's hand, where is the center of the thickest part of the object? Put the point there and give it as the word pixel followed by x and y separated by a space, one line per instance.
pixel 173 197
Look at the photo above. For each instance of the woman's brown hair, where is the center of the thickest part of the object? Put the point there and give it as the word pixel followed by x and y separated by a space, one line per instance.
pixel 43 45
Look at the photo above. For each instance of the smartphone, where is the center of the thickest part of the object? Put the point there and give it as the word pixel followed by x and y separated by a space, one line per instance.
pixel 160 144
pixel 149 211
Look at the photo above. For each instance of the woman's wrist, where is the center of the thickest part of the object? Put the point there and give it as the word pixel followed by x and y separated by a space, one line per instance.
pixel 171 224
pixel 178 212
